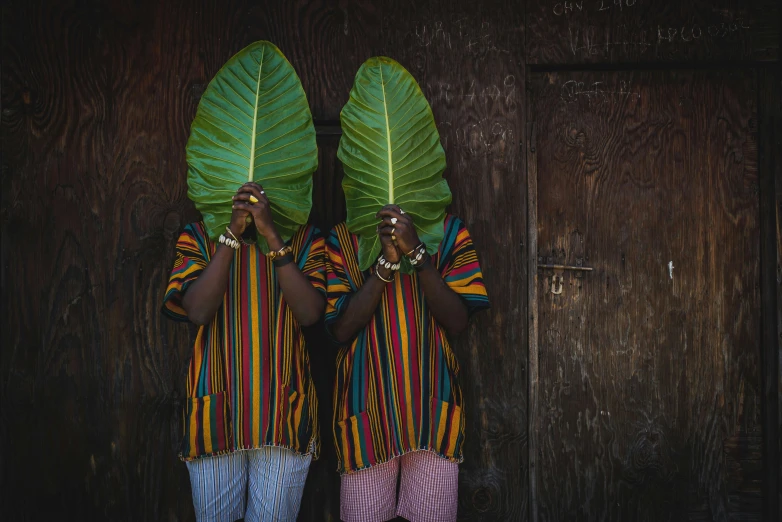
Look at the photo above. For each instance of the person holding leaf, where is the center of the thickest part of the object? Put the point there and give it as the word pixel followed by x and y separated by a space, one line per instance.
pixel 251 274
pixel 402 278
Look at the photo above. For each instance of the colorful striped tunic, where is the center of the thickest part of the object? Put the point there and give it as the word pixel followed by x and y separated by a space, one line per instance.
pixel 249 381
pixel 397 387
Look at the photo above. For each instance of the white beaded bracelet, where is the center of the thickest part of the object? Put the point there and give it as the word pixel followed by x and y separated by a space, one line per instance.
pixel 381 261
pixel 420 252
pixel 227 241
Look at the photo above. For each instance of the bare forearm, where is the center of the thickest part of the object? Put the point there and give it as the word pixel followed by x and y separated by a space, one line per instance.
pixel 363 303
pixel 447 307
pixel 360 309
pixel 205 295
pixel 304 301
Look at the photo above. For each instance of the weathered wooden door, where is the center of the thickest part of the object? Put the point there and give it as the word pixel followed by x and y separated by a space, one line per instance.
pixel 644 357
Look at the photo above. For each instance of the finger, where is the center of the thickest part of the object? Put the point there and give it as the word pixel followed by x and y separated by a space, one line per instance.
pixel 250 199
pixel 246 206
pixel 402 227
pixel 390 207
pixel 397 208
pixel 253 189
pixel 393 222
pixel 386 231
pixel 253 184
pixel 256 187
pixel 394 208
pixel 388 213
pixel 253 198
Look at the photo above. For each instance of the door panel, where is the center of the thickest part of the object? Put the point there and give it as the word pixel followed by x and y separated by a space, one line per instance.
pixel 647 394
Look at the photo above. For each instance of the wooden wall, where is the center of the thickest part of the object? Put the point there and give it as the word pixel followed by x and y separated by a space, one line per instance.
pixel 97 99
pixel 627 427
pixel 611 39
pixel 773 275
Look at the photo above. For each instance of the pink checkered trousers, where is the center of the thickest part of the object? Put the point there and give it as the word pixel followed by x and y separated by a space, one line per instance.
pixel 428 490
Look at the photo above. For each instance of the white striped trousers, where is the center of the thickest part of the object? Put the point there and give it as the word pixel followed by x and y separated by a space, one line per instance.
pixel 263 484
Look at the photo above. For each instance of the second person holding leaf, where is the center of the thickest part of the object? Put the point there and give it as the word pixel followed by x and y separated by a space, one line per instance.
pixel 402 276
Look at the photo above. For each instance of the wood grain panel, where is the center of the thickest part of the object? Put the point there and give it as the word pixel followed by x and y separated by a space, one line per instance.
pixel 771 260
pixel 648 403
pixel 97 100
pixel 630 31
pixel 95 115
pixel 779 315
pixel 466 57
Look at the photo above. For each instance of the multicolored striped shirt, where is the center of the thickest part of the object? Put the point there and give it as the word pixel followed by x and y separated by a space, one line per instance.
pixel 249 383
pixel 397 387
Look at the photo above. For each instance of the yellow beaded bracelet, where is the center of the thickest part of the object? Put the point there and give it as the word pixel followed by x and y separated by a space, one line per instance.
pixel 279 253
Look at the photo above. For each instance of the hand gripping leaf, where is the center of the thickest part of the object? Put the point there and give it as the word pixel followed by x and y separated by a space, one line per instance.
pixel 391 153
pixel 253 124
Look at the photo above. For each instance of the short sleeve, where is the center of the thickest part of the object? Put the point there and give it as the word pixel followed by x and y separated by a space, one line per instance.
pixel 338 285
pixel 460 268
pixel 311 259
pixel 191 259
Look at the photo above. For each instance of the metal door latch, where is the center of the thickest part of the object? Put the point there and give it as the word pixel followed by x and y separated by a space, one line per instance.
pixel 567 267
pixel 557 282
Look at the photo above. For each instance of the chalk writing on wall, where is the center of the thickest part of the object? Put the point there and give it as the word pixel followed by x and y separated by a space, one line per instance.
pixel 568 8
pixel 596 92
pixel 484 137
pixel 690 33
pixel 456 34
pixel 596 27
pixel 592 39
pixel 584 40
pixel 461 35
pixel 504 93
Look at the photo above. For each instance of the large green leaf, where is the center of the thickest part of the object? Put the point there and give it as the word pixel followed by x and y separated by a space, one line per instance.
pixel 391 153
pixel 253 124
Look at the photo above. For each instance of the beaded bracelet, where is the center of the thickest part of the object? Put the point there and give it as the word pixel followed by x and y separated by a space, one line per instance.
pixel 419 258
pixel 227 241
pixel 284 251
pixel 421 264
pixel 381 261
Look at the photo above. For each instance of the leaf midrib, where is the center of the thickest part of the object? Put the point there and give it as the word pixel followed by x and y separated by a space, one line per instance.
pixel 255 117
pixel 388 139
